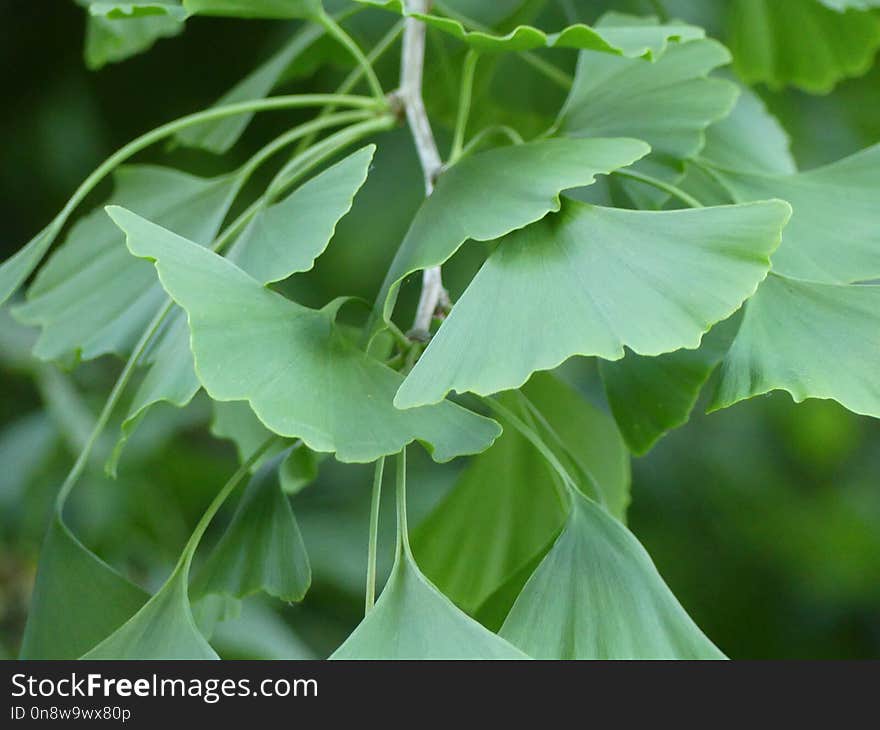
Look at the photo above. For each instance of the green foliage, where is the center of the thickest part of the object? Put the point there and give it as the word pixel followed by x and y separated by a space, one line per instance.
pixel 644 216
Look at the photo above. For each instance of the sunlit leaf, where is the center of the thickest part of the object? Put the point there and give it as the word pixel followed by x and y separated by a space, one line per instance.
pixel 800 42
pixel 92 297
pixel 78 600
pixel 493 193
pixel 597 595
pixel 668 104
pixel 255 8
pixel 287 237
pixel 605 278
pixel 810 339
pixel 262 549
pixel 832 236
pixel 301 375
pixel 652 395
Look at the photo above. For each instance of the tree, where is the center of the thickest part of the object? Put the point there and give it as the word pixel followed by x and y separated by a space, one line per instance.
pixel 647 215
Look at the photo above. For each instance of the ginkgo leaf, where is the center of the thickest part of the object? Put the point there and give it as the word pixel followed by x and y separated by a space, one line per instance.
pixel 622 36
pixel 171 378
pixel 220 135
pixel 504 509
pixel 650 396
pixel 92 297
pixel 800 42
pixel 287 237
pixel 796 335
pixel 749 139
pixel 262 549
pixel 19 266
pixel 116 10
pixel 78 599
pixel 281 239
pixel 116 30
pixel 597 595
pixel 235 421
pixel 832 236
pixel 163 628
pixel 490 194
pixel 605 278
pixel 300 373
pixel 413 620
pixel 668 104
pixel 255 8
pixel 842 5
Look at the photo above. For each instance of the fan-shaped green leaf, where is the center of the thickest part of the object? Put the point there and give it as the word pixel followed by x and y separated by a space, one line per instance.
pixel 620 36
pixel 604 278
pixel 22 263
pixel 301 375
pixel 800 42
pixel 282 239
pixel 650 396
pixel 750 139
pixel 810 339
pixel 832 236
pixel 116 30
pixel 170 379
pixel 493 193
pixel 163 629
pixel 287 237
pixel 597 595
pixel 842 5
pixel 262 549
pixel 78 600
pixel 92 297
pixel 413 620
pixel 503 510
pixel 116 10
pixel 255 8
pixel 669 103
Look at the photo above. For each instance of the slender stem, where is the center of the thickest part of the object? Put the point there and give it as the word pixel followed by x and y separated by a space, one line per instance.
pixel 373 546
pixel 464 104
pixel 550 71
pixel 498 129
pixel 357 74
pixel 240 474
pixel 402 528
pixel 131 364
pixel 308 160
pixel 566 450
pixel 338 32
pixel 112 400
pixel 170 128
pixel 412 64
pixel 556 75
pixel 533 438
pixel 674 191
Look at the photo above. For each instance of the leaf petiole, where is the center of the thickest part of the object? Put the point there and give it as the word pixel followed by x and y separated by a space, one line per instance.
pixel 673 190
pixel 464 105
pixel 372 548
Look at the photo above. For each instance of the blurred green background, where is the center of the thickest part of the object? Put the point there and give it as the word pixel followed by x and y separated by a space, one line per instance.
pixel 764 519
